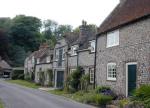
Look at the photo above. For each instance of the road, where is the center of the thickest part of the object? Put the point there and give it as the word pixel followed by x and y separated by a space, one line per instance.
pixel 15 96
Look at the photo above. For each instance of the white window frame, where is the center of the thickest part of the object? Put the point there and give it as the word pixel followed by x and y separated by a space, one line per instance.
pixel 91 75
pixel 108 75
pixel 38 61
pixel 74 50
pixel 113 38
pixel 92 45
pixel 48 59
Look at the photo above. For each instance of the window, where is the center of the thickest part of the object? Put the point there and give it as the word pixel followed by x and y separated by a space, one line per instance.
pixel 92 75
pixel 74 50
pixel 38 60
pixel 48 59
pixel 113 39
pixel 63 53
pixel 111 71
pixel 56 54
pixel 92 46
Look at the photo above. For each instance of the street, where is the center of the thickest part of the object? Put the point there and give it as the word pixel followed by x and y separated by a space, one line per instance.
pixel 15 96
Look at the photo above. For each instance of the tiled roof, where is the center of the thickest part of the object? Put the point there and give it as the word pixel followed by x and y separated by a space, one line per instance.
pixel 4 65
pixel 124 13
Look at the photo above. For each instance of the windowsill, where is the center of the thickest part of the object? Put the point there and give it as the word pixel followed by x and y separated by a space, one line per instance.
pixel 92 52
pixel 73 55
pixel 112 79
pixel 112 46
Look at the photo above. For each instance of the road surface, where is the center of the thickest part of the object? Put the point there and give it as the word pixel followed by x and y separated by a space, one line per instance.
pixel 15 96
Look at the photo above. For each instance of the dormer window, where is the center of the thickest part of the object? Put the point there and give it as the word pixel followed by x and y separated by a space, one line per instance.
pixel 113 38
pixel 38 61
pixel 92 46
pixel 74 50
pixel 47 59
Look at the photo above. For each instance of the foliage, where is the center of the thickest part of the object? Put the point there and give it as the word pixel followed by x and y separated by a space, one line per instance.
pixel 25 31
pixel 142 95
pixel 85 79
pixel 27 77
pixel 101 88
pixel 1 104
pixel 75 78
pixel 42 78
pixel 123 103
pixel 24 83
pixel 18 74
pixel 50 76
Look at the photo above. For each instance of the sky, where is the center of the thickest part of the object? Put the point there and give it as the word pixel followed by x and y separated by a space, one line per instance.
pixel 70 12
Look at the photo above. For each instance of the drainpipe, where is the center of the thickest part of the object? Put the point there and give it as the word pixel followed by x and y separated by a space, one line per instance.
pixel 77 58
pixel 95 63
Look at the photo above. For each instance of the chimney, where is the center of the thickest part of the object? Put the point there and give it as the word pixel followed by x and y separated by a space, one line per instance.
pixel 84 30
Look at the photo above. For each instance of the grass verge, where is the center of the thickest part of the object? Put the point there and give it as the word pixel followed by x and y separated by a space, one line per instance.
pixel 1 104
pixel 24 83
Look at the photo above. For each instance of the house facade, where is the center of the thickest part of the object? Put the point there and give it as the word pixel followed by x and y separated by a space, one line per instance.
pixel 123 47
pixel 82 50
pixel 44 65
pixel 59 62
pixel 5 69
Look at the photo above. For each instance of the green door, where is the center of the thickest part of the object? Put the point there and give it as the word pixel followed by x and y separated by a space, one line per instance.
pixel 131 78
pixel 60 79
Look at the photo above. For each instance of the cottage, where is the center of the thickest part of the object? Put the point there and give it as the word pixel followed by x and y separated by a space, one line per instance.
pixel 5 69
pixel 82 50
pixel 59 62
pixel 123 47
pixel 44 65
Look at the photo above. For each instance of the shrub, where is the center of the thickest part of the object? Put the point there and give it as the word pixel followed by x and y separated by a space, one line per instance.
pixel 27 77
pixel 102 88
pixel 97 99
pixel 142 95
pixel 85 82
pixel 16 74
pixel 50 76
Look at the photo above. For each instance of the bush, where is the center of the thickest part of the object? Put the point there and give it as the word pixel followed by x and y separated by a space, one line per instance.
pixel 97 99
pixel 17 74
pixel 106 91
pixel 27 77
pixel 142 95
pixel 85 79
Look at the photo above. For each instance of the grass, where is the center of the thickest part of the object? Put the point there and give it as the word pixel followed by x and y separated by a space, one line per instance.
pixel 24 83
pixel 1 104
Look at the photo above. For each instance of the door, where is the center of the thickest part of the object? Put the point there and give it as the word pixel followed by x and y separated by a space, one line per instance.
pixel 60 57
pixel 60 79
pixel 131 82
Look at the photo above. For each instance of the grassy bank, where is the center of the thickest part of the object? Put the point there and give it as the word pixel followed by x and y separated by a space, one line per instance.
pixel 24 83
pixel 1 104
pixel 85 97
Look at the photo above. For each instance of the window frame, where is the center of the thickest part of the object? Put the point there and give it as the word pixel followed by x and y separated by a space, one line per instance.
pixel 113 37
pixel 74 50
pixel 111 78
pixel 48 59
pixel 56 54
pixel 93 41
pixel 63 54
pixel 91 69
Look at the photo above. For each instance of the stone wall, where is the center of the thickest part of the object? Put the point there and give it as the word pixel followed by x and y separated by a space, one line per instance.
pixel 134 46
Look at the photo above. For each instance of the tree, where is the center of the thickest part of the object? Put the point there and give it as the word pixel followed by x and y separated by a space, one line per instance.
pixel 62 29
pixel 4 44
pixel 25 31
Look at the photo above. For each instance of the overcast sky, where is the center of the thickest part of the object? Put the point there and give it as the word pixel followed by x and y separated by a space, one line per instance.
pixel 63 11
